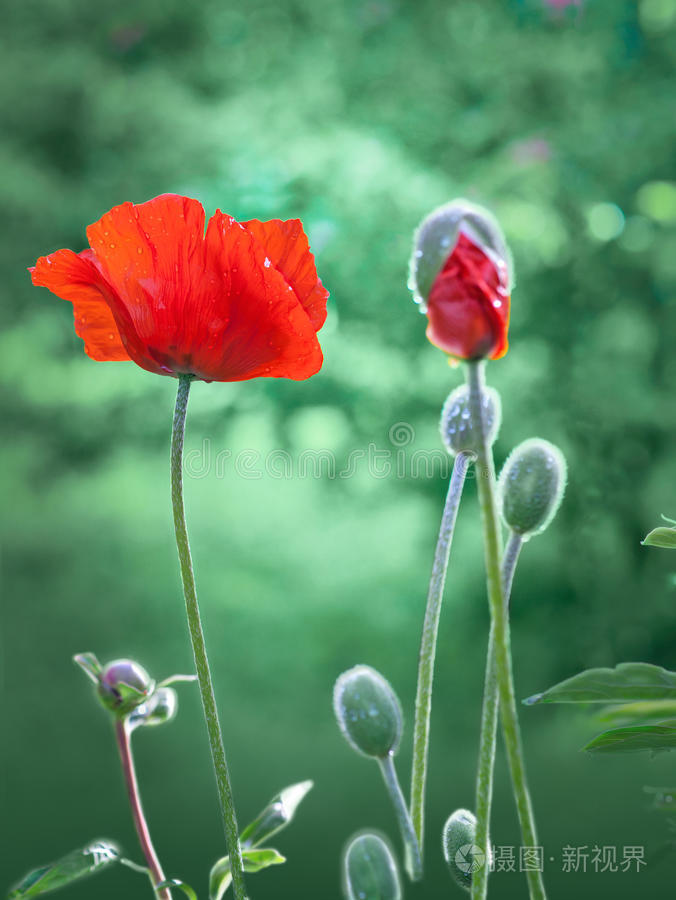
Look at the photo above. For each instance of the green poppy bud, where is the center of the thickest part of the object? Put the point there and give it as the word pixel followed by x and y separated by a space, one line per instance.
pixel 369 870
pixel 531 486
pixel 456 428
pixel 123 685
pixel 462 855
pixel 438 233
pixel 368 711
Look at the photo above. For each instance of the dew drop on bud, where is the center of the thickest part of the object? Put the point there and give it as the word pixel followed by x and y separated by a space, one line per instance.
pixel 367 711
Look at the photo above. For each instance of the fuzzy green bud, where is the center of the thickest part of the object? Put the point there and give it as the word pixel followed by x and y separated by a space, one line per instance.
pixel 123 685
pixel 369 870
pixel 531 486
pixel 462 855
pixel 438 233
pixel 368 712
pixel 455 426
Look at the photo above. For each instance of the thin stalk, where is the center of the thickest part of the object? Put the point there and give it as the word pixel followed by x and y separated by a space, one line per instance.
pixel 123 738
pixel 408 835
pixel 198 644
pixel 501 638
pixel 428 644
pixel 509 561
pixel 489 724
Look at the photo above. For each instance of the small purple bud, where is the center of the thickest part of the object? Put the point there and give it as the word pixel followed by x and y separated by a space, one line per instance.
pixel 124 685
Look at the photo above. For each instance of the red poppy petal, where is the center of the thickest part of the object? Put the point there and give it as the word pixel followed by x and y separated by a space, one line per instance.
pixel 257 325
pixel 74 278
pixel 153 255
pixel 286 245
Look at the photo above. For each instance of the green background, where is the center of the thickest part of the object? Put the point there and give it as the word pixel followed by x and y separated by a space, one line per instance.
pixel 358 116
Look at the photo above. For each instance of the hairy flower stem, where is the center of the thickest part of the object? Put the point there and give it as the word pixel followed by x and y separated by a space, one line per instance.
pixel 428 644
pixel 489 723
pixel 198 645
pixel 123 738
pixel 501 639
pixel 413 859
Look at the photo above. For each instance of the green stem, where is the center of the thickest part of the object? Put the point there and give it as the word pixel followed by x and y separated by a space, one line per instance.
pixel 489 725
pixel 428 644
pixel 123 738
pixel 501 638
pixel 198 645
pixel 408 835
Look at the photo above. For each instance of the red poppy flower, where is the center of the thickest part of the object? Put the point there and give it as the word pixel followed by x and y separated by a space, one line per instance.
pixel 239 302
pixel 468 304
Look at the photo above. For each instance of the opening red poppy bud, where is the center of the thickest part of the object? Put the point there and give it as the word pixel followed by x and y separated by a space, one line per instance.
pixel 460 275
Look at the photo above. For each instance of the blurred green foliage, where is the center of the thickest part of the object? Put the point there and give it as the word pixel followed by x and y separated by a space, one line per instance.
pixel 359 116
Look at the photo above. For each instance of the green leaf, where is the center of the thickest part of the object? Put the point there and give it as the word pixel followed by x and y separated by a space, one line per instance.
pixel 661 537
pixel 276 815
pixel 89 665
pixel 69 868
pixel 635 738
pixel 177 883
pixel 626 683
pixel 252 861
pixel 219 878
pixel 644 711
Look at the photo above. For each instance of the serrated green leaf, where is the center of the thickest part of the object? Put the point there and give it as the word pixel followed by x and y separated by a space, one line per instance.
pixel 635 738
pixel 626 683
pixel 177 883
pixel 647 711
pixel 69 868
pixel 661 537
pixel 276 815
pixel 252 861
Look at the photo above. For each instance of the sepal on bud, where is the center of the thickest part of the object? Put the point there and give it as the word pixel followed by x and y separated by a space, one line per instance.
pixel 531 486
pixel 368 712
pixel 159 708
pixel 456 427
pixel 369 869
pixel 438 233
